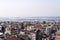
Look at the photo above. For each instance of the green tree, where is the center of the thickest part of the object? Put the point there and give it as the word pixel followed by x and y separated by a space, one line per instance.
pixel 22 25
pixel 44 22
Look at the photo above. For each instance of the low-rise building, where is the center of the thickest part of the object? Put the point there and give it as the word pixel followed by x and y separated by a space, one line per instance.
pixel 57 35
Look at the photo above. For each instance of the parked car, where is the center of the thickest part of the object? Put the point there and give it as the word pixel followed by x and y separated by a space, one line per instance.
pixel 1 35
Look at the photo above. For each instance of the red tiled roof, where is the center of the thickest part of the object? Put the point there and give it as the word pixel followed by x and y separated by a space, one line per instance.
pixel 38 26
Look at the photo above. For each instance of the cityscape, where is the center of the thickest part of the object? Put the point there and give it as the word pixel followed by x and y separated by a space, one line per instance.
pixel 29 19
pixel 34 28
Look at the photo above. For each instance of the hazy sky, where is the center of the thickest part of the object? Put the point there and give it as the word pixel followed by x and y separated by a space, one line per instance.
pixel 29 8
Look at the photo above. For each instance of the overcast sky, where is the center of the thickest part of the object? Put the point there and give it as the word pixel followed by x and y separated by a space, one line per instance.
pixel 29 8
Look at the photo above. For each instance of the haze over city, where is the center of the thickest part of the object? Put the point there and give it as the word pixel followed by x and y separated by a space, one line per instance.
pixel 29 8
pixel 29 19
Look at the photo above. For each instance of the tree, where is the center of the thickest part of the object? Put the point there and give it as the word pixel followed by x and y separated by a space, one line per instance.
pixel 44 22
pixel 22 25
